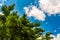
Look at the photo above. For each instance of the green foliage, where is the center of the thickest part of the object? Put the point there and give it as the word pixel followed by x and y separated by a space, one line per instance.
pixel 7 9
pixel 14 27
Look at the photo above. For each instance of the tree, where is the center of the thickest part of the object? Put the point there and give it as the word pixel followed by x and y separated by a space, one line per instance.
pixel 14 27
pixel 46 36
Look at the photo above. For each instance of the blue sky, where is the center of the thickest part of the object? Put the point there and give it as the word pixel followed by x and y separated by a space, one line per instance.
pixel 51 23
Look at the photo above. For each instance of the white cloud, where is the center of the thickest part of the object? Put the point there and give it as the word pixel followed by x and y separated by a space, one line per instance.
pixel 50 6
pixel 56 37
pixel 0 4
pixel 35 12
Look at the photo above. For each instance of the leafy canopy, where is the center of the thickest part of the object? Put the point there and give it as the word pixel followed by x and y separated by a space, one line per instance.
pixel 14 27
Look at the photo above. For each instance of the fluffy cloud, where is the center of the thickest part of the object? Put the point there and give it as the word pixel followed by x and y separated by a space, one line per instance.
pixel 35 12
pixel 50 6
pixel 56 37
